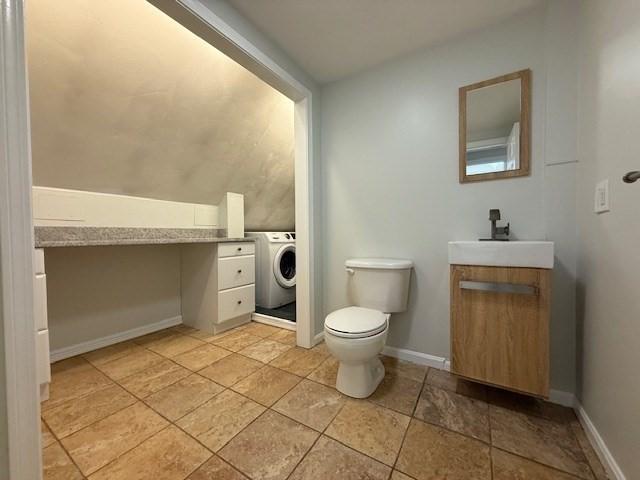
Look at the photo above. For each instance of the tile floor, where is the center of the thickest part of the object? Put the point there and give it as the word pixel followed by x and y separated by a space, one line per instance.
pixel 247 404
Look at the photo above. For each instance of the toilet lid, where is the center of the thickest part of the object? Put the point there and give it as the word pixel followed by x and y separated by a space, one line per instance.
pixel 356 322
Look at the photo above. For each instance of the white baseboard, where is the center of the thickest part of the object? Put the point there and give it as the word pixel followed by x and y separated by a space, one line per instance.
pixel 415 357
pixel 273 321
pixel 610 464
pixel 73 350
pixel 318 338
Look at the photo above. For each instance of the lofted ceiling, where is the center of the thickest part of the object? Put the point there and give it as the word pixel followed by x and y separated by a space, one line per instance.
pixel 332 39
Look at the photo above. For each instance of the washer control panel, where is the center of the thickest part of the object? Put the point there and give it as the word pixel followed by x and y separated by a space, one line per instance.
pixel 282 236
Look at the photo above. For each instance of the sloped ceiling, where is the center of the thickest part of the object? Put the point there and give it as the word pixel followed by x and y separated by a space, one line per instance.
pixel 332 39
pixel 124 100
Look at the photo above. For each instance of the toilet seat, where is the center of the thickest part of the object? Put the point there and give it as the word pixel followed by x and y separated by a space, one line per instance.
pixel 356 322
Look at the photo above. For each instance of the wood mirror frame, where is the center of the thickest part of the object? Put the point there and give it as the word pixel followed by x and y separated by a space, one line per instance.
pixel 525 127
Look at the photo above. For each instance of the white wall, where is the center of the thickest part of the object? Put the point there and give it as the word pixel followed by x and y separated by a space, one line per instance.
pixel 99 291
pixel 390 177
pixel 609 260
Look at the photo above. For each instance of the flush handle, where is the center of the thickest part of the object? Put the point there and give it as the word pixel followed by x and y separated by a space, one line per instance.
pixel 350 271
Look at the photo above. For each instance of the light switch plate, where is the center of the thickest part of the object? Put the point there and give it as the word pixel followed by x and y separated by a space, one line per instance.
pixel 601 201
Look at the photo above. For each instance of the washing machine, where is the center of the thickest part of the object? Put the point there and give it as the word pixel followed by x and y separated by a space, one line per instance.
pixel 275 268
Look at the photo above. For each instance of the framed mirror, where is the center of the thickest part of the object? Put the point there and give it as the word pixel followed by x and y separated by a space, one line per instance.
pixel 495 128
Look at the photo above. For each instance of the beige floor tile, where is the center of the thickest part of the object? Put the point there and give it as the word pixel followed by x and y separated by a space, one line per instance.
pixel 186 395
pixel 172 346
pixel 326 373
pixel 151 380
pixel 216 469
pixel 329 459
pixel 135 362
pixel 542 440
pixel 448 381
pixel 370 429
pixel 96 445
pixel 299 361
pixel 236 341
pixel 231 369
pixel 270 447
pixel 512 467
pixel 265 350
pixel 456 412
pixel 530 405
pixel 288 337
pixel 220 419
pixel 397 475
pixel 260 329
pixel 433 453
pixel 402 368
pixel 73 378
pixel 397 393
pixel 267 385
pixel 112 352
pixel 322 348
pixel 155 336
pixel 168 455
pixel 74 415
pixel 201 357
pixel 185 329
pixel 311 404
pixel 589 452
pixel 46 435
pixel 57 465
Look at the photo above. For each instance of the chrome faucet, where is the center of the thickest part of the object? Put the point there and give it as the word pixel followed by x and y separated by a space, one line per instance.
pixel 497 233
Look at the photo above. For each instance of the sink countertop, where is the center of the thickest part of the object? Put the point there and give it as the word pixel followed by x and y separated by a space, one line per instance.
pixel 518 253
pixel 46 237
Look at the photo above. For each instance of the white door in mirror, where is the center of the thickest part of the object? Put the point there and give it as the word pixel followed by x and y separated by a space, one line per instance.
pixel 601 203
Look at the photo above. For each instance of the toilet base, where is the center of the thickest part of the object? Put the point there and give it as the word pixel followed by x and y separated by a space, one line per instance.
pixel 359 380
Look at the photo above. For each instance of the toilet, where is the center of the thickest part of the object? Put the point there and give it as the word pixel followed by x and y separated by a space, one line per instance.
pixel 356 335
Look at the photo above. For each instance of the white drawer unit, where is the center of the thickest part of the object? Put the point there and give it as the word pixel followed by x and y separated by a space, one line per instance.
pixel 218 285
pixel 40 301
pixel 235 249
pixel 235 302
pixel 236 271
pixel 40 316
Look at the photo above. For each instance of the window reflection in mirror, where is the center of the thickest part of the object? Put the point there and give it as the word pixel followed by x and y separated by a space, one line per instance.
pixel 492 116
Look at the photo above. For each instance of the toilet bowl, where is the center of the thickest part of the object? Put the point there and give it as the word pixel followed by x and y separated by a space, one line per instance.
pixel 356 335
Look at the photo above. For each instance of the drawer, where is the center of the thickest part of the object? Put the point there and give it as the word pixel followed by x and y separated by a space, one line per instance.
pixel 40 301
pixel 236 248
pixel 235 302
pixel 38 261
pixel 236 271
pixel 43 365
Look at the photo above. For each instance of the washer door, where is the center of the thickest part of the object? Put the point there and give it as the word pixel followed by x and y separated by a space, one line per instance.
pixel 284 266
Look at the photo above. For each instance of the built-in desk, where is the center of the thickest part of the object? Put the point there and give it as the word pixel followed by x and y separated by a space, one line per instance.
pixel 217 275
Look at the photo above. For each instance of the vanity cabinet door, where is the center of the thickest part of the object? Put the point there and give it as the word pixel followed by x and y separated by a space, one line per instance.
pixel 500 326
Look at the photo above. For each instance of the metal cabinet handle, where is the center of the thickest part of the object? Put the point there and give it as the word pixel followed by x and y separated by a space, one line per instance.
pixel 631 177
pixel 239 302
pixel 496 287
pixel 239 271
pixel 239 249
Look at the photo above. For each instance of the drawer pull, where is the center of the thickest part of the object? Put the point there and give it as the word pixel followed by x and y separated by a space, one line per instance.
pixel 240 271
pixel 496 287
pixel 239 302
pixel 239 249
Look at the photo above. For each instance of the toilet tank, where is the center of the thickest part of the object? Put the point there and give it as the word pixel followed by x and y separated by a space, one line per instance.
pixel 379 283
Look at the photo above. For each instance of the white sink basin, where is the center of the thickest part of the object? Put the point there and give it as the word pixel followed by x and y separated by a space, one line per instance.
pixel 502 254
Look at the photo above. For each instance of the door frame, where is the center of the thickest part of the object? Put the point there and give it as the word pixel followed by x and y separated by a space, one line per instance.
pixel 16 252
pixel 16 224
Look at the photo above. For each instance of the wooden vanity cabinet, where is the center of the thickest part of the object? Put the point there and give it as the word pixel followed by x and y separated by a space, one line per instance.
pixel 500 326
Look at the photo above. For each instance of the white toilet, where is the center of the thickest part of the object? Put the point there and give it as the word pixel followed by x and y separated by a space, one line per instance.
pixel 356 335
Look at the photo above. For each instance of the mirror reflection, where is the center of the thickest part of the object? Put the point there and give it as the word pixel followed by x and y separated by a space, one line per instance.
pixel 493 128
